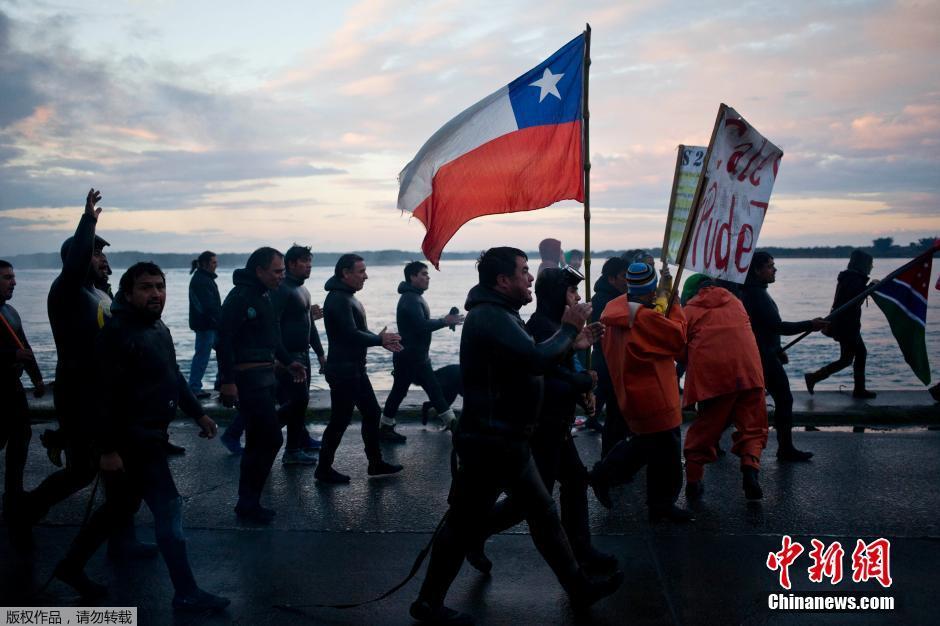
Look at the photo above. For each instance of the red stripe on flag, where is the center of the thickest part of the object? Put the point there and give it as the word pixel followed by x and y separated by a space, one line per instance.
pixel 521 171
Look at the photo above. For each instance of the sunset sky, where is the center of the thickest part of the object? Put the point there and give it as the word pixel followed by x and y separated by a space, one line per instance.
pixel 232 125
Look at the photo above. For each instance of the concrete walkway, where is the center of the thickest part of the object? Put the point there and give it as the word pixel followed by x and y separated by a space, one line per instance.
pixel 349 543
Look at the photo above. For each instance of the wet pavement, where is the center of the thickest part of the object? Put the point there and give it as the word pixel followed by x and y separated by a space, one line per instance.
pixel 344 544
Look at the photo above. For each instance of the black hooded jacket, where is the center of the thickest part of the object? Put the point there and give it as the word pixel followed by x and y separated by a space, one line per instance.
pixel 848 324
pixel 76 313
pixel 347 332
pixel 250 331
pixel 502 366
pixel 414 324
pixel 139 384
pixel 298 330
pixel 205 304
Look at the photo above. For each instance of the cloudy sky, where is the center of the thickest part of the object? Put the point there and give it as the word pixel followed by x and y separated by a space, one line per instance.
pixel 231 125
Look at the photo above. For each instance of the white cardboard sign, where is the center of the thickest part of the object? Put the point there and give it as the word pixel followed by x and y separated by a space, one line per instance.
pixel 738 178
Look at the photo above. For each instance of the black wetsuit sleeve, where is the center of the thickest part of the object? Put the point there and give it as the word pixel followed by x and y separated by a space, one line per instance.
pixel 233 314
pixel 315 342
pixel 343 320
pixel 412 313
pixel 517 346
pixel 766 314
pixel 109 371
pixel 76 262
pixel 571 380
pixel 189 405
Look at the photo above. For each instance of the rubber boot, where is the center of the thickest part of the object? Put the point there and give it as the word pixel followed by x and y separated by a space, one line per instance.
pixel 752 490
pixel 786 452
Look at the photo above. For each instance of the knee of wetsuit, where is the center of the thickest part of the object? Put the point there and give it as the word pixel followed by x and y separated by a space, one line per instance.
pixel 171 528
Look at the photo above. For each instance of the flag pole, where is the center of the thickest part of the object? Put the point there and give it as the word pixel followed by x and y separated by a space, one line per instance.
pixel 858 299
pixel 586 160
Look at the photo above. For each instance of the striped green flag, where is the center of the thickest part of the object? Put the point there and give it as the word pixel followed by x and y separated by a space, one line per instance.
pixel 904 302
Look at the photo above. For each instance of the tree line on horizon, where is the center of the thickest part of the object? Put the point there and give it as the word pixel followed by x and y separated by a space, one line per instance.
pixel 882 247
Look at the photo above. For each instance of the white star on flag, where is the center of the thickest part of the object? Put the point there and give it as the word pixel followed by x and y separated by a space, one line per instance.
pixel 547 84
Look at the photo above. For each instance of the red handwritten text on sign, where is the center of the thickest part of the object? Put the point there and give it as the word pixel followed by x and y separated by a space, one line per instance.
pixel 741 172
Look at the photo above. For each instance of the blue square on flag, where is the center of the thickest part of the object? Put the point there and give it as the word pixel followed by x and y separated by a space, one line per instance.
pixel 550 93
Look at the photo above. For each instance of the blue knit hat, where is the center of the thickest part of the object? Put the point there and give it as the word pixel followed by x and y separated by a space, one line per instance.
pixel 641 279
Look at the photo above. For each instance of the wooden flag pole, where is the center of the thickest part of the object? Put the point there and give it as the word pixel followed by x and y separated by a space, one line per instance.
pixel 693 212
pixel 586 159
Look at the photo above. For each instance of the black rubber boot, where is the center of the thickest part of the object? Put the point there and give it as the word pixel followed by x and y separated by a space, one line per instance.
pixel 786 452
pixel 382 468
pixel 752 490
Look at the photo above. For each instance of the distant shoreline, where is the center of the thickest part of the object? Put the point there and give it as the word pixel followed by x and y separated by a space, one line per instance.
pixel 174 260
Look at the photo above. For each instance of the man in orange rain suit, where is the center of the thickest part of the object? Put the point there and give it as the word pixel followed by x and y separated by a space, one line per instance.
pixel 640 347
pixel 725 377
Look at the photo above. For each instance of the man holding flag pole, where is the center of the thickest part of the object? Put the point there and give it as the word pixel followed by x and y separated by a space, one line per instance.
pixel 519 149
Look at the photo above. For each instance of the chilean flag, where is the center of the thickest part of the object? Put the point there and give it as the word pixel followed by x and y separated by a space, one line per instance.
pixel 518 149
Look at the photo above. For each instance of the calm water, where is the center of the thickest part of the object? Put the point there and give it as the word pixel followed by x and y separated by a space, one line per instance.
pixel 804 289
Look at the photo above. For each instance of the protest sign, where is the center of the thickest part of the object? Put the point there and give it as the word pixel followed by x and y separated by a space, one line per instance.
pixel 688 171
pixel 732 198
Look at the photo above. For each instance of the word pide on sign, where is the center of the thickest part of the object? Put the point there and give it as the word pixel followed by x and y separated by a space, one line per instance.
pixel 740 173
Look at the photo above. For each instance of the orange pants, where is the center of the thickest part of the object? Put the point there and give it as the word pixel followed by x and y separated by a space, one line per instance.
pixel 747 410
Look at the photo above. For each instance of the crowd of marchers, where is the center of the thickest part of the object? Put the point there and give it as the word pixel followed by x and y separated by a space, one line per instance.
pixel 623 355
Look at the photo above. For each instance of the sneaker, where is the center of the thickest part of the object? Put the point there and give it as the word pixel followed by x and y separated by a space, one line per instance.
pixel 424 613
pixel 694 490
pixel 381 468
pixel 387 433
pixel 312 444
pixel 199 601
pixel 234 446
pixel 255 513
pixel 77 580
pixel 173 449
pixel 298 457
pixel 330 476
pixel 671 513
pixel 594 590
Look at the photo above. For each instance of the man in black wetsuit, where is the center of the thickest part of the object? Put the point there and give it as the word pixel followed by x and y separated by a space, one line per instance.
pixel 349 337
pixel 140 388
pixel 502 370
pixel 249 344
pixel 552 445
pixel 79 307
pixel 767 327
pixel 412 365
pixel 297 317
pixel 16 355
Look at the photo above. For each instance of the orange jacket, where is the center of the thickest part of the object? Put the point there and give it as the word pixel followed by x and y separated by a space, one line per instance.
pixel 722 352
pixel 640 347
